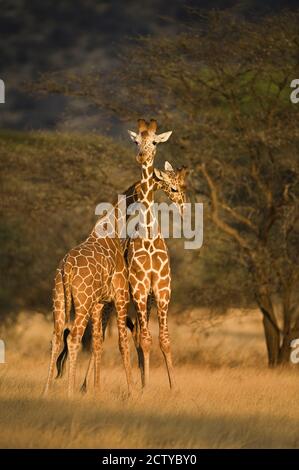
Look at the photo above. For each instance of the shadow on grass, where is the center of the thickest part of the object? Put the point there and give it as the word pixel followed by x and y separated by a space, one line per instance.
pixel 175 429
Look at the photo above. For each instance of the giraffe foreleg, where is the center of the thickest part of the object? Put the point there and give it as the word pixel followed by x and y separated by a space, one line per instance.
pixel 136 336
pixel 145 338
pixel 121 305
pixel 164 339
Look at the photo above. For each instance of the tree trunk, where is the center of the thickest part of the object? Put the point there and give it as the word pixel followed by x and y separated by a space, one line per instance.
pixel 272 342
pixel 271 330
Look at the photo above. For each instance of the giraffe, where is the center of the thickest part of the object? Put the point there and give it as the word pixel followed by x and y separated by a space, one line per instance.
pixel 89 276
pixel 173 184
pixel 148 260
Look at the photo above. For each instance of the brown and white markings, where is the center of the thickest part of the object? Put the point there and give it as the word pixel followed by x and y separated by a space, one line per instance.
pixel 148 260
pixel 173 184
pixel 90 275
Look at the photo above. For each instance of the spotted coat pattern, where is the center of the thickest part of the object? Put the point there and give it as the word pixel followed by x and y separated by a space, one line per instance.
pixel 148 260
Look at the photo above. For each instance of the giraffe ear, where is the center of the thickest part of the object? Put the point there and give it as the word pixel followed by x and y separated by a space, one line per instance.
pixel 168 166
pixel 163 137
pixel 133 135
pixel 158 174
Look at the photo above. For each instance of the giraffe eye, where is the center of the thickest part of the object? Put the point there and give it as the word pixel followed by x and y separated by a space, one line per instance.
pixel 174 190
pixel 154 143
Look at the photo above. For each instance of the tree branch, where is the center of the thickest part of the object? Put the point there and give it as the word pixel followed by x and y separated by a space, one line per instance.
pixel 215 211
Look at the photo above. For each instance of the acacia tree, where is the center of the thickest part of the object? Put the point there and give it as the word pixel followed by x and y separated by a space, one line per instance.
pixel 224 85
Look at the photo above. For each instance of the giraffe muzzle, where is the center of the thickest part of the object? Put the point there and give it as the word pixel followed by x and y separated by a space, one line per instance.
pixel 142 158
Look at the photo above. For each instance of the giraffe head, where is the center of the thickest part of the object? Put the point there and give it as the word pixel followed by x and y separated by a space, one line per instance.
pixel 146 140
pixel 173 183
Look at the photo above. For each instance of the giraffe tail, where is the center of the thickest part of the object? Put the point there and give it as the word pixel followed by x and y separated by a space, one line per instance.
pixel 129 324
pixel 60 363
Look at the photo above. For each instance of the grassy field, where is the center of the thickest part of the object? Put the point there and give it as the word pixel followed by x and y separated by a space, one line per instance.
pixel 226 396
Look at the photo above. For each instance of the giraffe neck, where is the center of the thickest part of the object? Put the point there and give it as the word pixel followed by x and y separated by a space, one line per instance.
pixel 118 212
pixel 146 198
pixel 134 193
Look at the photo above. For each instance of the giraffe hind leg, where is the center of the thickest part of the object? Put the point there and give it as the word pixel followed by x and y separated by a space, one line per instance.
pixel 97 342
pixel 56 347
pixel 59 322
pixel 106 315
pixel 73 342
pixel 107 310
pixel 83 388
pixel 61 360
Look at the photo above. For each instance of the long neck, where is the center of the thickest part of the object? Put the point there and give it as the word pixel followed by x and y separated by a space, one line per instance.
pixel 147 200
pixel 147 184
pixel 133 194
pixel 118 215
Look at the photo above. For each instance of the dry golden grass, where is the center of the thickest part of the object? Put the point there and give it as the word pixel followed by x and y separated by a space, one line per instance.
pixel 226 396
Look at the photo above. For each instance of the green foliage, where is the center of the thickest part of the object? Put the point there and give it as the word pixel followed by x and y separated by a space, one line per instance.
pixel 50 186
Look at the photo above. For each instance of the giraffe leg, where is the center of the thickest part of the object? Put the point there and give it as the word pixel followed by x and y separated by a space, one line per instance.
pixel 97 342
pixel 106 314
pixel 162 307
pixel 136 336
pixel 121 305
pixel 59 322
pixel 83 388
pixel 149 306
pixel 56 347
pixel 73 342
pixel 145 339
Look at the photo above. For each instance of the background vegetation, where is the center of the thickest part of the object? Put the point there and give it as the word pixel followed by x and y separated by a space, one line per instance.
pixel 77 77
pixel 222 84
